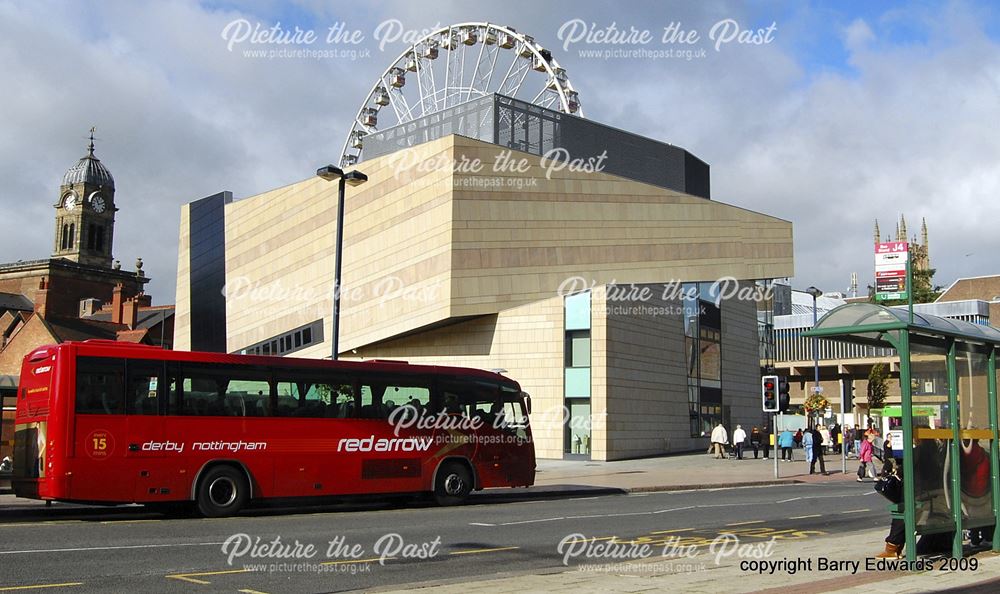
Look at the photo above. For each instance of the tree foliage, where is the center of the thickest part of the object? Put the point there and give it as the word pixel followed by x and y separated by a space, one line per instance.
pixel 877 388
pixel 924 290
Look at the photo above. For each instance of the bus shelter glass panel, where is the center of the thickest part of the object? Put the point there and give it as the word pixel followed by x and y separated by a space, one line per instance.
pixel 974 453
pixel 931 437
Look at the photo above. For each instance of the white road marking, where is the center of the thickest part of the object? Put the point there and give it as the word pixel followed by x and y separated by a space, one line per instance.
pixel 146 546
pixel 664 511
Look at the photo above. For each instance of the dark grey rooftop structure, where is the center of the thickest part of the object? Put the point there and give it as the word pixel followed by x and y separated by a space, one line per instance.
pixel 89 169
pixel 536 130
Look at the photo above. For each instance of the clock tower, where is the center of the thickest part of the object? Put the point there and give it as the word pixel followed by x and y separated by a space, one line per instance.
pixel 85 212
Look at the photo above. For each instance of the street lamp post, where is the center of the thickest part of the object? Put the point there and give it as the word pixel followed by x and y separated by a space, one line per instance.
pixel 815 294
pixel 352 178
pixel 815 343
pixel 815 346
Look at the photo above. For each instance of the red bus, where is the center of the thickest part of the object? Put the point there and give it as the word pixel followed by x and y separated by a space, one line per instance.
pixel 108 422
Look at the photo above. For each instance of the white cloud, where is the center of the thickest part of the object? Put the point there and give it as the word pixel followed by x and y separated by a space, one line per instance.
pixel 898 128
pixel 858 35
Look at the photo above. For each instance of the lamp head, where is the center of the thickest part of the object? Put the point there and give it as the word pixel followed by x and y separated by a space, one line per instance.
pixel 355 178
pixel 330 172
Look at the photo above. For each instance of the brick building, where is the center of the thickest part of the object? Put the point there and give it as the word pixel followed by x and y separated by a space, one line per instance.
pixel 78 293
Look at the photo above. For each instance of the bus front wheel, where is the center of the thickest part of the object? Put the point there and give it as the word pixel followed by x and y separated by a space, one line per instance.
pixel 453 484
pixel 222 491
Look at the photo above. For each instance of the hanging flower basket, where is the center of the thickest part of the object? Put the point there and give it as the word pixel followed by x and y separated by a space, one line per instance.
pixel 815 403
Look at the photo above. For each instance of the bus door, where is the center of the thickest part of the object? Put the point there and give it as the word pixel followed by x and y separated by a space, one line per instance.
pixel 372 455
pixel 154 458
pixel 99 470
pixel 518 448
pixel 311 403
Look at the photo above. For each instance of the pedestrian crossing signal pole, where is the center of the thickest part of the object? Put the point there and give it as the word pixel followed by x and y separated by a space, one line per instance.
pixel 770 404
pixel 774 422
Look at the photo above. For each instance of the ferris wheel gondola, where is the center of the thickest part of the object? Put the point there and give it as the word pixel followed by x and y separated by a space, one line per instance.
pixel 456 64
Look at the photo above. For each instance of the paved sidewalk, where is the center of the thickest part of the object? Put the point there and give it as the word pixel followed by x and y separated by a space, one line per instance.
pixel 665 473
pixel 682 471
pixel 793 565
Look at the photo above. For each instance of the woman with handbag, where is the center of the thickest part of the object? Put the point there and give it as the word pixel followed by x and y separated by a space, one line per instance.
pixel 865 457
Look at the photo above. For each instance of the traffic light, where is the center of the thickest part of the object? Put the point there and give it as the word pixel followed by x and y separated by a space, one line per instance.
pixel 783 398
pixel 769 392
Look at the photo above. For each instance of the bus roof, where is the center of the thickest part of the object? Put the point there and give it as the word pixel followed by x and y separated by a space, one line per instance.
pixel 111 348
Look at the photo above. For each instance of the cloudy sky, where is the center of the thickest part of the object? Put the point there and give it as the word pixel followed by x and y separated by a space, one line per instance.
pixel 852 111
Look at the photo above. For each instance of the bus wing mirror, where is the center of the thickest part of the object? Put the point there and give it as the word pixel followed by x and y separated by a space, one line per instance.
pixel 527 401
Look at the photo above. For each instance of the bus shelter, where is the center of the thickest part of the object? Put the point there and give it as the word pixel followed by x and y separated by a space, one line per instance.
pixel 948 392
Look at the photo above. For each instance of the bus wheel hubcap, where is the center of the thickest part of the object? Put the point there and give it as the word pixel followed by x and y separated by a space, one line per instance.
pixel 454 484
pixel 222 491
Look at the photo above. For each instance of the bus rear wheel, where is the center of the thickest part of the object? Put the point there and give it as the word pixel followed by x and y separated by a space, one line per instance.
pixel 222 491
pixel 453 484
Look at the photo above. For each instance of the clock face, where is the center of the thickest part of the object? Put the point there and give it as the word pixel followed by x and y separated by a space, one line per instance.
pixel 70 202
pixel 98 203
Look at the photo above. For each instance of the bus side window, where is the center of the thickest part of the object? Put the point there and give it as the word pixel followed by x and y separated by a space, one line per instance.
pixel 371 400
pixel 472 398
pixel 142 395
pixel 247 398
pixel 379 397
pixel 288 399
pixel 100 388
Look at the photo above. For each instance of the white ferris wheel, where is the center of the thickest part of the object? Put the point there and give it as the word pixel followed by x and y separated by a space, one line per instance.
pixel 456 64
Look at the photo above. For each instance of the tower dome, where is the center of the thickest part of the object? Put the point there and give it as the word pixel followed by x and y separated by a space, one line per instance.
pixel 89 169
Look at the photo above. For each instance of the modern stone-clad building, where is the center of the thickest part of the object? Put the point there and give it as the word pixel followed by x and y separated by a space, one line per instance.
pixel 586 279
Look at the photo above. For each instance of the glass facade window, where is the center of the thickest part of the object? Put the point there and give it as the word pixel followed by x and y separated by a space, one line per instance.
pixel 703 354
pixel 578 348
pixel 288 342
pixel 576 434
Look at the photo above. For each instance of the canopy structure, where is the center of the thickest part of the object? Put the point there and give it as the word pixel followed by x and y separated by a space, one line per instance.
pixel 951 476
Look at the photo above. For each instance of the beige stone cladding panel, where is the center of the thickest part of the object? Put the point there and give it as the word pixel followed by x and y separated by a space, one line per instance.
pixel 280 256
pixel 182 299
pixel 279 261
pixel 513 245
pixel 741 362
pixel 526 341
pixel 397 262
pixel 647 408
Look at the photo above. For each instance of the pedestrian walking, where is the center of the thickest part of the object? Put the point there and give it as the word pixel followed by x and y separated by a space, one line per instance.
pixel 798 438
pixel 825 440
pixel 739 439
pixel 817 452
pixel 720 437
pixel 755 439
pixel 836 435
pixel 807 446
pixel 785 441
pixel 865 458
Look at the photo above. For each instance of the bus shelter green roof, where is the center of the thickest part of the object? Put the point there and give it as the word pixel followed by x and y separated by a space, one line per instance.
pixel 877 325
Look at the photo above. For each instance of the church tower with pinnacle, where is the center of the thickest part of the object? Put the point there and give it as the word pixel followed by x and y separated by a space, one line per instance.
pixel 919 250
